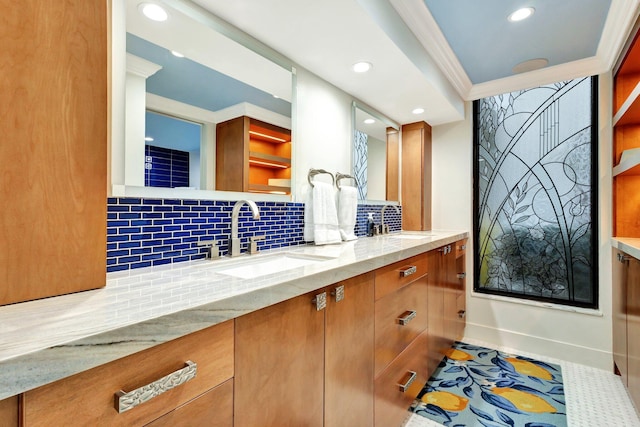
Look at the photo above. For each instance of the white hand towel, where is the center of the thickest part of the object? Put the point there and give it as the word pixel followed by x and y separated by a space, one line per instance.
pixel 308 215
pixel 347 211
pixel 325 215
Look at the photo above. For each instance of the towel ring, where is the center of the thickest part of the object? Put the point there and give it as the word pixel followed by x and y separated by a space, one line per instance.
pixel 314 172
pixel 340 176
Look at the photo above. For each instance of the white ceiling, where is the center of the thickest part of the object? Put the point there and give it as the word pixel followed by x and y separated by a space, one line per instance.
pixel 414 65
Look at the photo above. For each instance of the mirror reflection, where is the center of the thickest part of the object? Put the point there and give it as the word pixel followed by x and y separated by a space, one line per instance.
pixel 370 155
pixel 184 78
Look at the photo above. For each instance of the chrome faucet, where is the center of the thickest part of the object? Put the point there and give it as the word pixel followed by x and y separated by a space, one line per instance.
pixel 385 227
pixel 234 245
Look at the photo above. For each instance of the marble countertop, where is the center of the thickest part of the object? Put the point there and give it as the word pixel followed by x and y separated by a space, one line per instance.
pixel 628 245
pixel 50 339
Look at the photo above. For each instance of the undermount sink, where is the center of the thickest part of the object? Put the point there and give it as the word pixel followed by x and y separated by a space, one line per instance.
pixel 252 267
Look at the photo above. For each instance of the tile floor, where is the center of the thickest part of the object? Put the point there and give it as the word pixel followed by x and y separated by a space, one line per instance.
pixel 594 397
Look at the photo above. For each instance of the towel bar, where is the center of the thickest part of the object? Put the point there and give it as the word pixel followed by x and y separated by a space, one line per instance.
pixel 340 176
pixel 314 172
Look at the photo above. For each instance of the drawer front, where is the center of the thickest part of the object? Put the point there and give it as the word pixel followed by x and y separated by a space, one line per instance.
pixel 391 403
pixel 399 318
pixel 395 276
pixel 88 398
pixel 212 409
pixel 461 248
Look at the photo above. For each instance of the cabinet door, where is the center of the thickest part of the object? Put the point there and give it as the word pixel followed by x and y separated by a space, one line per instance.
pixel 212 409
pixel 349 337
pixel 619 303
pixel 437 342
pixel 279 376
pixel 54 152
pixel 9 410
pixel 633 328
pixel 459 281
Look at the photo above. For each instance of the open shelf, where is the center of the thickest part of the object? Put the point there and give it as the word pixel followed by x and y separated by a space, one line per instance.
pixel 268 160
pixel 629 163
pixel 272 189
pixel 629 112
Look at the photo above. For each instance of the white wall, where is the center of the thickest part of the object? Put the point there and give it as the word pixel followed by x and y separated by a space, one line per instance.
pixel 321 131
pixel 583 337
pixel 376 169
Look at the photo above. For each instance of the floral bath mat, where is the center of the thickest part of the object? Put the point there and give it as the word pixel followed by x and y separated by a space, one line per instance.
pixel 476 386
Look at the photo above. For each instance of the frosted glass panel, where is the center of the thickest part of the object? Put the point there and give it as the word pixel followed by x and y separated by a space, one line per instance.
pixel 533 185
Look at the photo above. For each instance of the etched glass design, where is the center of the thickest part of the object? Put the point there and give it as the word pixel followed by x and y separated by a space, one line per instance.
pixel 360 156
pixel 534 193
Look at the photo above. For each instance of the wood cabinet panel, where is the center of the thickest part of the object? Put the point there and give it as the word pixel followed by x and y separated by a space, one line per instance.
pixel 391 403
pixel 212 409
pixel 633 328
pixel 395 276
pixel 437 341
pixel 88 398
pixel 391 336
pixel 349 345
pixel 393 165
pixel 280 365
pixel 416 176
pixel 9 412
pixel 54 156
pixel 619 314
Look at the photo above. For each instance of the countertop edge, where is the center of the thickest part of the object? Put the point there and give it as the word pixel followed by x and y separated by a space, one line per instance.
pixel 628 245
pixel 28 371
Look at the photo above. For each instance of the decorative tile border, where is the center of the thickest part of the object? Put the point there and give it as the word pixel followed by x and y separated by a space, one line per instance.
pixel 147 232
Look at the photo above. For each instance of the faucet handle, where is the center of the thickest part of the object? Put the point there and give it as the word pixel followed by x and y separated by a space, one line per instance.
pixel 213 251
pixel 253 243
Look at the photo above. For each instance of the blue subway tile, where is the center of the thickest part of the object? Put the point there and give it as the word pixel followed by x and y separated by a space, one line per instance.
pixel 127 244
pixel 129 216
pixel 141 264
pixel 181 259
pixel 118 267
pixel 162 261
pixel 129 201
pixel 128 259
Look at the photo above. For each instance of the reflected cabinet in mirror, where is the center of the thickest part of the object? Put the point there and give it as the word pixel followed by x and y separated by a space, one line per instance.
pixel 375 155
pixel 203 112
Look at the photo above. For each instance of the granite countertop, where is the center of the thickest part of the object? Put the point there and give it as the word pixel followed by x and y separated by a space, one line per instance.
pixel 628 245
pixel 50 339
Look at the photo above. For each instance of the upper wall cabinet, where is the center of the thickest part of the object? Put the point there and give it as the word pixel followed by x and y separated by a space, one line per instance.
pixel 626 144
pixel 53 158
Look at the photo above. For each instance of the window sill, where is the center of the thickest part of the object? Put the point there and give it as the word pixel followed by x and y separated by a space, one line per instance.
pixel 552 306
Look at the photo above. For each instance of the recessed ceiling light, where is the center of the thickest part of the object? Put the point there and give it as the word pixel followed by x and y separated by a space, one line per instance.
pixel 177 54
pixel 362 67
pixel 418 110
pixel 521 14
pixel 148 138
pixel 530 65
pixel 153 12
pixel 369 121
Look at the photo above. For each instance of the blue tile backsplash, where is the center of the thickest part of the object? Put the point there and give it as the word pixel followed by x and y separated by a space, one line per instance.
pixel 146 232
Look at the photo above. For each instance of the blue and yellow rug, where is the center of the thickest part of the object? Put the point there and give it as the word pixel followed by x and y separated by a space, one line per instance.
pixel 476 386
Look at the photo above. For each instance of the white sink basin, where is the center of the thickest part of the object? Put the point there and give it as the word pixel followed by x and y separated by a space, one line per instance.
pixel 250 268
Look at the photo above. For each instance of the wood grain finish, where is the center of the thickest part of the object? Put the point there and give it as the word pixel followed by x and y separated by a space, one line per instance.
pixel 9 412
pixel 391 336
pixel 212 409
pixel 278 384
pixel 391 404
pixel 53 120
pixel 633 329
pixel 437 342
pixel 389 279
pixel 619 314
pixel 88 398
pixel 393 165
pixel 416 176
pixel 232 153
pixel 349 343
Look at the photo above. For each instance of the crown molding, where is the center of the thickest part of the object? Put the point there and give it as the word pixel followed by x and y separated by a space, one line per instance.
pixel 422 24
pixel 141 67
pixel 617 28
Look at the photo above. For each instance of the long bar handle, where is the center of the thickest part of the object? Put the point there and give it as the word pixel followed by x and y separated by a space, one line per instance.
pixel 408 271
pixel 407 317
pixel 125 401
pixel 412 377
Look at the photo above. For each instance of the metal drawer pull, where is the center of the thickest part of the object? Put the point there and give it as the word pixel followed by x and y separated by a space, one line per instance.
pixel 462 275
pixel 409 315
pixel 623 258
pixel 338 293
pixel 463 247
pixel 462 314
pixel 320 301
pixel 125 401
pixel 409 271
pixel 412 377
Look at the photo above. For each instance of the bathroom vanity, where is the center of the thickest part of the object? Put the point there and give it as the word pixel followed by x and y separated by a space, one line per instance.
pixel 347 337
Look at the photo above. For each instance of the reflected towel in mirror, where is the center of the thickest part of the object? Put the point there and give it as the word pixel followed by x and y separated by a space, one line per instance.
pixel 347 212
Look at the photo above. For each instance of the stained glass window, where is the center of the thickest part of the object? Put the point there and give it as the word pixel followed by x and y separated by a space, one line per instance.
pixel 535 154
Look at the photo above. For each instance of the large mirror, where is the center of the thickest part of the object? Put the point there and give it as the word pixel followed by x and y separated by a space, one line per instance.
pixel 375 154
pixel 184 78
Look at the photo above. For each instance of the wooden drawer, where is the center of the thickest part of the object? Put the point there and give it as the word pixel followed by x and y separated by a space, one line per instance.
pixel 212 409
pixel 391 403
pixel 395 276
pixel 9 412
pixel 88 398
pixel 392 336
pixel 461 248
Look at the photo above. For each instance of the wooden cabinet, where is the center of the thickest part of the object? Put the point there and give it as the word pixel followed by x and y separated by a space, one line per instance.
pixel 401 345
pixel 54 156
pixel 253 156
pixel 9 412
pixel 297 365
pixel 416 176
pixel 619 314
pixel 88 398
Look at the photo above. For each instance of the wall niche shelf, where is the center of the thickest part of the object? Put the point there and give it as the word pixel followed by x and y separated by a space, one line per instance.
pixel 629 163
